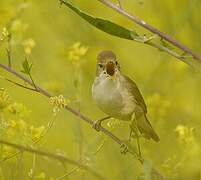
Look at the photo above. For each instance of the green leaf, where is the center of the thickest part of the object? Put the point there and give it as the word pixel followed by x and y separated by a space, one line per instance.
pixel 26 67
pixel 104 25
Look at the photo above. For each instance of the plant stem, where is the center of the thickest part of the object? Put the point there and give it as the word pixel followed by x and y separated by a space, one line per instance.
pixel 50 155
pixel 9 49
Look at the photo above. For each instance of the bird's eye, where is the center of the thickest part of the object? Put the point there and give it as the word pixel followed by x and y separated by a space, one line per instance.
pixel 100 65
pixel 116 63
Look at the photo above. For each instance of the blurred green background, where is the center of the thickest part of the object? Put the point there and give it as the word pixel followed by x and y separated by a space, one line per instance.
pixel 63 50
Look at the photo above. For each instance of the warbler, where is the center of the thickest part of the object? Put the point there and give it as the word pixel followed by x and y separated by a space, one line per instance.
pixel 119 97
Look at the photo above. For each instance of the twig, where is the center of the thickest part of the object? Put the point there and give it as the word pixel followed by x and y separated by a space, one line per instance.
pixel 20 76
pixel 77 78
pixel 10 156
pixel 20 85
pixel 76 113
pixel 32 174
pixel 51 155
pixel 33 82
pixel 70 172
pixel 100 147
pixel 73 170
pixel 9 49
pixel 19 166
pixel 152 29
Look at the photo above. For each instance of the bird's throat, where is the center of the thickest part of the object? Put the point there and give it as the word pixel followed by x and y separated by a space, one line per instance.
pixel 110 68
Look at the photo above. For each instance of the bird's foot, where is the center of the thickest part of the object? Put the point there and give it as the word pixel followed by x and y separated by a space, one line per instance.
pixel 97 125
pixel 124 148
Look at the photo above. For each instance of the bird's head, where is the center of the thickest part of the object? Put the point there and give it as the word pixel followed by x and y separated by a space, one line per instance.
pixel 107 64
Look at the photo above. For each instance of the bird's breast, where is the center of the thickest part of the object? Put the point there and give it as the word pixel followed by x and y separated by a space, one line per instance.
pixel 112 98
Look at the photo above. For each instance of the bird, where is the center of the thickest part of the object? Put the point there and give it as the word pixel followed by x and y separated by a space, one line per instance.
pixel 119 97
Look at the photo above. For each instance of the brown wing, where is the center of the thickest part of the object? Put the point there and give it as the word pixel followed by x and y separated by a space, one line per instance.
pixel 136 92
pixel 143 123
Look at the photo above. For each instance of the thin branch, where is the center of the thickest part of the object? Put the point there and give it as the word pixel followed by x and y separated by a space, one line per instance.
pixel 152 29
pixel 70 172
pixel 20 76
pixel 19 168
pixel 50 155
pixel 32 174
pixel 9 157
pixel 73 170
pixel 33 82
pixel 20 85
pixel 9 50
pixel 77 113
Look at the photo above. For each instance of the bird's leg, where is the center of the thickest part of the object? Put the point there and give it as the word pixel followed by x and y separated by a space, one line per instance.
pixel 135 130
pixel 97 123
pixel 138 144
pixel 136 135
pixel 130 135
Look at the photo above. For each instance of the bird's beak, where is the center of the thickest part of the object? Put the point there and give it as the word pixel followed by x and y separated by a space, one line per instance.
pixel 110 69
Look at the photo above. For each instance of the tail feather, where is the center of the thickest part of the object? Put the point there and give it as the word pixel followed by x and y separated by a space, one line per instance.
pixel 146 129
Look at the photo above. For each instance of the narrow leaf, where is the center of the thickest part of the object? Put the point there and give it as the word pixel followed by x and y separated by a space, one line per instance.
pixel 104 25
pixel 26 67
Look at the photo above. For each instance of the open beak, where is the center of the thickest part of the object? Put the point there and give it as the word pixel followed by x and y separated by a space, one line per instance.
pixel 110 69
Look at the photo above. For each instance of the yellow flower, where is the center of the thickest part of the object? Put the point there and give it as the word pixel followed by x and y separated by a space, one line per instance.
pixel 18 109
pixel 37 133
pixel 58 103
pixel 28 45
pixel 4 34
pixel 76 51
pixel 185 134
pixel 12 124
pixel 4 99
pixel 19 125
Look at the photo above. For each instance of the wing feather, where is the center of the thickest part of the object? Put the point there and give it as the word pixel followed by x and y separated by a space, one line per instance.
pixel 143 123
pixel 136 93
